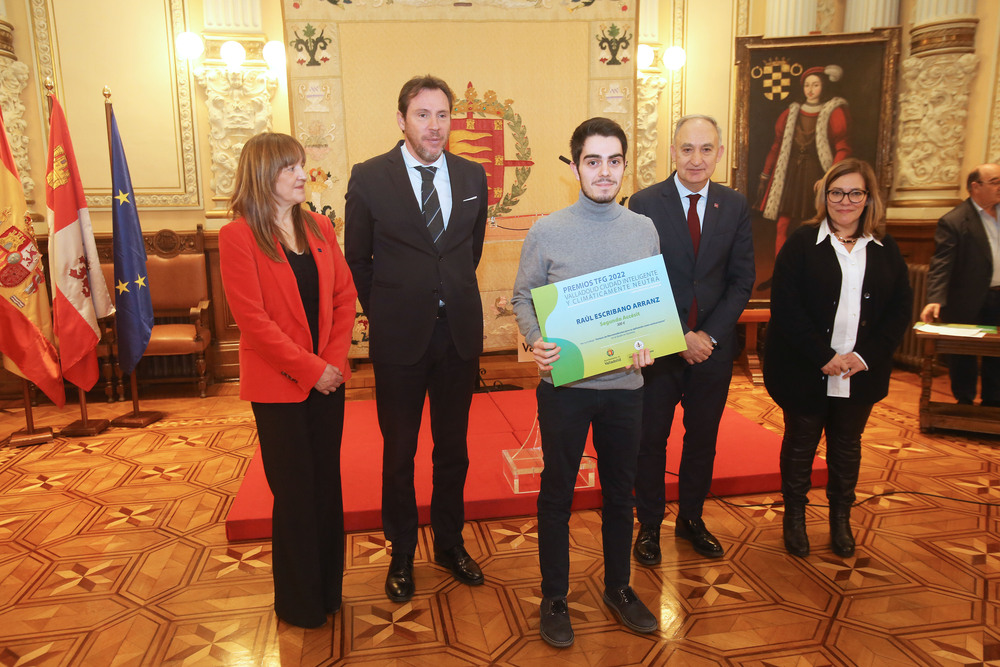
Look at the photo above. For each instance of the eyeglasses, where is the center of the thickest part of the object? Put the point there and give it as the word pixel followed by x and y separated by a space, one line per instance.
pixel 993 182
pixel 854 196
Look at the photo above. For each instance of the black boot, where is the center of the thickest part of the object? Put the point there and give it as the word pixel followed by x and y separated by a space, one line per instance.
pixel 794 524
pixel 841 537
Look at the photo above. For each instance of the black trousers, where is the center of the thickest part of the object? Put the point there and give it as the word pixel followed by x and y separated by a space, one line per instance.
pixel 300 448
pixel 701 389
pixel 448 381
pixel 964 369
pixel 844 422
pixel 565 415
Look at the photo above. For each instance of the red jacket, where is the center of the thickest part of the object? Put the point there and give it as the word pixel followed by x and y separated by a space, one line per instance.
pixel 277 364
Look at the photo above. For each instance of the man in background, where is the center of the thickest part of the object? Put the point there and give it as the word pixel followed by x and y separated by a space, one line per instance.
pixel 963 281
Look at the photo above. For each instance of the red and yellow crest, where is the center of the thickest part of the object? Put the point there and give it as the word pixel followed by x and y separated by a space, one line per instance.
pixel 483 140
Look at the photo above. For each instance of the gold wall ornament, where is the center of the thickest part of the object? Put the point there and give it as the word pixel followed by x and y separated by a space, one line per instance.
pixel 951 36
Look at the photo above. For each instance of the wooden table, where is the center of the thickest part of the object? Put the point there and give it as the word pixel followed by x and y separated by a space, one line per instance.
pixel 934 414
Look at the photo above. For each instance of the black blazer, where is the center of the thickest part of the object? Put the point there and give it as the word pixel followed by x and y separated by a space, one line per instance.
pixel 962 266
pixel 804 298
pixel 723 275
pixel 399 273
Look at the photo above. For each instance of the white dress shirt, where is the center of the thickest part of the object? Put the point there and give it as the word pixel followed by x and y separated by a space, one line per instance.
pixel 441 181
pixel 686 203
pixel 845 322
pixel 992 229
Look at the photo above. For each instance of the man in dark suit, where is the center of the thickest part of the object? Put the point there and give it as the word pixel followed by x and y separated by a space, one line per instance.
pixel 415 223
pixel 706 242
pixel 963 281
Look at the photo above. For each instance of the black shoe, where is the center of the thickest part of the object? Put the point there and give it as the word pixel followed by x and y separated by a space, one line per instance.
pixel 794 526
pixel 695 532
pixel 841 537
pixel 461 564
pixel 647 545
pixel 554 624
pixel 399 582
pixel 630 610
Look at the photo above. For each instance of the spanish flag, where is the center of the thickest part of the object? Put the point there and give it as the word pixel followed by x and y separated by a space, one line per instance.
pixel 25 321
pixel 80 296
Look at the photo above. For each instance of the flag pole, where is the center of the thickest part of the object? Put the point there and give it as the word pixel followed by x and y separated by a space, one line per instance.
pixel 83 426
pixel 30 435
pixel 136 418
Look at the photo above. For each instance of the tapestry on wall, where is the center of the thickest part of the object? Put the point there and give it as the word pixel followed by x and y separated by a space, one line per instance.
pixel 524 73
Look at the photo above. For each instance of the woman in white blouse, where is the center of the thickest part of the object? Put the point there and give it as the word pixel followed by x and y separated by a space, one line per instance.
pixel 840 303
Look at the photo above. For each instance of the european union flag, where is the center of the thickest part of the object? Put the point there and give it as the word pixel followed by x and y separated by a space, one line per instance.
pixel 134 308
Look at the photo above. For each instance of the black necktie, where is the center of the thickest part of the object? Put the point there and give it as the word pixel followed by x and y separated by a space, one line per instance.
pixel 430 204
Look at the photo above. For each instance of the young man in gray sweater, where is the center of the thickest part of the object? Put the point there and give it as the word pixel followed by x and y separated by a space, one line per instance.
pixel 593 234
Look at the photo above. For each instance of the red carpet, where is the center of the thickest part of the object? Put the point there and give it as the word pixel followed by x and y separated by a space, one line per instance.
pixel 747 462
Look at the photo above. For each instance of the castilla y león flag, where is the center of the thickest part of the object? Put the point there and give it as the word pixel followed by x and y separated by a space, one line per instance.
pixel 25 320
pixel 80 296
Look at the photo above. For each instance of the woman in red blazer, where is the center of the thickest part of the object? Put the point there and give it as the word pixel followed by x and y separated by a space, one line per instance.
pixel 292 296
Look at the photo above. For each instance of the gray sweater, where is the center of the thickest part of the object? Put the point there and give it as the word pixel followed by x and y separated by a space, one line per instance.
pixel 579 239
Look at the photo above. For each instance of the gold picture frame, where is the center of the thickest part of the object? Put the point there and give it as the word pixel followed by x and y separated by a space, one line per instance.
pixel 855 116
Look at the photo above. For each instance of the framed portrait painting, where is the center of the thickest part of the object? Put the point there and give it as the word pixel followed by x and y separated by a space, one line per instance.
pixel 804 104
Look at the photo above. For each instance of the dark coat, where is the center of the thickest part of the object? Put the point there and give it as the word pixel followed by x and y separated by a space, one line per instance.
pixel 723 275
pixel 962 266
pixel 400 274
pixel 804 298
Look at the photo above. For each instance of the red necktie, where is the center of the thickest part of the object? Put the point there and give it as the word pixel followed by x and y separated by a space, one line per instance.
pixel 694 226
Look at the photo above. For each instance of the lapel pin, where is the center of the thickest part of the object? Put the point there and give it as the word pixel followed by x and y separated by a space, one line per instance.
pixel 716 204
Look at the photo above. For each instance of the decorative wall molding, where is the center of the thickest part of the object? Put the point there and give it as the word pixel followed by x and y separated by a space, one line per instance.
pixel 646 139
pixel 933 106
pixel 188 194
pixel 949 36
pixel 13 81
pixel 239 106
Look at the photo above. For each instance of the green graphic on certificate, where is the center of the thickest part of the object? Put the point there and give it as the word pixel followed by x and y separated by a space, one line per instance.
pixel 599 319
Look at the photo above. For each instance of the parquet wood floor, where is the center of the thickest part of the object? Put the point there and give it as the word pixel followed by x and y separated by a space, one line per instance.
pixel 112 552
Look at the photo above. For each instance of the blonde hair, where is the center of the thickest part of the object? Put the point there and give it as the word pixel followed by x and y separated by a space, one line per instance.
pixel 872 219
pixel 262 159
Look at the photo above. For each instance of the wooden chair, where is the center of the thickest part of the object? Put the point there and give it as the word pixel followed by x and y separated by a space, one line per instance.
pixel 178 286
pixel 177 277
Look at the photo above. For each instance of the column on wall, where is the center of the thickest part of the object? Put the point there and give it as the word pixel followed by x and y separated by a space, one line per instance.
pixel 863 15
pixel 789 18
pixel 937 79
pixel 13 81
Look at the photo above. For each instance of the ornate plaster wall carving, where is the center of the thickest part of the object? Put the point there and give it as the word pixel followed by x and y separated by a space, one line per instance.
pixel 826 14
pixel 13 81
pixel 993 150
pixel 932 118
pixel 239 106
pixel 647 113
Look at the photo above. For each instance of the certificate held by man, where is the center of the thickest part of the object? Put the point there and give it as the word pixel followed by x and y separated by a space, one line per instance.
pixel 599 319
